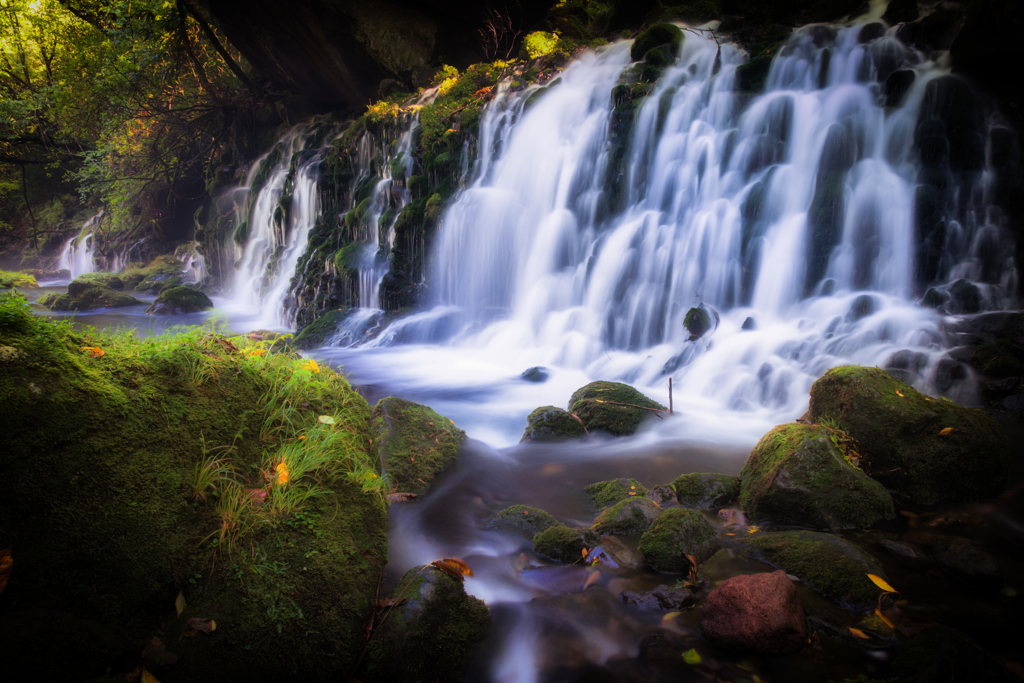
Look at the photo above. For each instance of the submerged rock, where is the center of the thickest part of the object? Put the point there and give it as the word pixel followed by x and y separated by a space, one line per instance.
pixel 86 296
pixel 906 554
pixel 797 475
pixel 965 562
pixel 706 491
pixel 415 444
pixel 549 423
pixel 761 613
pixel 179 300
pixel 562 544
pixel 674 535
pixel 428 637
pixel 930 450
pixel 828 564
pixel 535 374
pixel 522 518
pixel 612 407
pixel 664 598
pixel 631 516
pixel 698 322
pixel 606 493
pixel 663 495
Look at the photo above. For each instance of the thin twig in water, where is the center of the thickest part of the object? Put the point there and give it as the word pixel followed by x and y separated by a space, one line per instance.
pixel 632 405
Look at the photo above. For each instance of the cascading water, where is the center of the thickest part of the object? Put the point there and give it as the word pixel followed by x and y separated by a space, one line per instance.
pixel 79 253
pixel 193 262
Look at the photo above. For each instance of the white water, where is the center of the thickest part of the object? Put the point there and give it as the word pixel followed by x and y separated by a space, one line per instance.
pixel 79 253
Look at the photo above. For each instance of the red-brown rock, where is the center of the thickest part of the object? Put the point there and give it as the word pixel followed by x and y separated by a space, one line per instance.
pixel 762 613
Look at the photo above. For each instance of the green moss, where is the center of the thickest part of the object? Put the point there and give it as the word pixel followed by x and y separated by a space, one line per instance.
pixel 562 544
pixel 751 77
pixel 997 360
pixel 177 300
pixel 631 516
pixel 430 636
pixel 656 35
pixel 523 518
pixel 432 211
pixel 674 535
pixel 549 423
pixel 697 322
pixel 414 443
pixel 21 280
pixel 316 334
pixel 347 259
pixel 796 474
pixel 706 491
pixel 828 564
pixel 901 436
pixel 606 493
pixel 612 407
pixel 84 296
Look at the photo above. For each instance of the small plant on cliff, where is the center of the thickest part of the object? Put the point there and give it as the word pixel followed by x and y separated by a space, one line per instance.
pixel 845 443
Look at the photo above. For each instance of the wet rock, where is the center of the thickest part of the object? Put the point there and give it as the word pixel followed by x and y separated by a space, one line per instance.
pixel 965 297
pixel 562 544
pixel 948 371
pixel 612 407
pixel 318 332
pixel 522 518
pixel 907 554
pixel 663 495
pixel 827 563
pixel 661 598
pixel 749 324
pixel 414 443
pixel 869 32
pixel 699 321
pixel 940 655
pixel 905 365
pixel 607 493
pixel 863 306
pixel 998 360
pixel 897 85
pixel 903 437
pixel 761 613
pixel 434 630
pixel 86 296
pixel 549 423
pixel 706 491
pixel 655 36
pixel 674 535
pixel 621 553
pixel 631 516
pixel 41 274
pixel 965 562
pixel 796 474
pixel 535 374
pixel 180 300
pixel 900 11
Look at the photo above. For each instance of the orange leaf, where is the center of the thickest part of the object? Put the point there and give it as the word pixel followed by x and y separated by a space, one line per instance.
pixel 881 615
pixel 880 582
pixel 94 351
pixel 899 394
pixel 945 431
pixel 6 567
pixel 591 579
pixel 148 677
pixel 526 512
pixel 204 625
pixel 282 474
pixel 860 634
pixel 692 559
pixel 585 551
pixel 454 567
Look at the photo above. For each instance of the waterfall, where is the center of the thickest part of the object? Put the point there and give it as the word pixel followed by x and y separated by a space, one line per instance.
pixel 808 220
pixel 193 262
pixel 79 253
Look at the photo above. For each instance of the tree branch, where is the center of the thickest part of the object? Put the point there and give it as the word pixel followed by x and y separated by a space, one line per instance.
pixel 212 37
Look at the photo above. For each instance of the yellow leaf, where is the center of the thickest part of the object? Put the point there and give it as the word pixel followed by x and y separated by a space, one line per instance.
pixel 887 620
pixel 585 552
pixel 753 529
pixel 94 351
pixel 898 393
pixel 146 676
pixel 860 634
pixel 691 657
pixel 454 567
pixel 880 582
pixel 179 602
pixel 945 431
pixel 326 419
pixel 282 474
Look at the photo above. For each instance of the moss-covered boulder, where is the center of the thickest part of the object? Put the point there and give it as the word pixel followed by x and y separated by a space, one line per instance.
pixel 607 493
pixel 414 443
pixel 562 544
pixel 549 423
pixel 522 518
pixel 706 491
pixel 85 296
pixel 797 475
pixel 103 279
pixel 828 564
pixel 929 450
pixel 180 300
pixel 674 535
pixel 697 322
pixel 632 516
pixel 612 407
pixel 430 635
pixel 19 280
pixel 655 36
pixel 318 332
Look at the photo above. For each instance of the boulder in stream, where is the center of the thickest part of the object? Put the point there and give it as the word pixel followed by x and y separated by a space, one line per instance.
pixel 562 544
pixel 706 491
pixel 604 494
pixel 760 613
pixel 549 423
pixel 674 535
pixel 86 296
pixel 968 563
pixel 665 598
pixel 929 450
pixel 522 518
pixel 631 516
pixel 797 474
pixel 612 407
pixel 179 300
pixel 414 443
pixel 429 635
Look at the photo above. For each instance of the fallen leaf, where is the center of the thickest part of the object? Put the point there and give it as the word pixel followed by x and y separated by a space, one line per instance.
pixel 94 351
pixel 585 551
pixel 671 616
pixel 326 419
pixel 692 559
pixel 148 677
pixel 880 582
pixel 257 495
pixel 401 497
pixel 204 625
pixel 591 579
pixel 179 602
pixel 945 431
pixel 691 657
pixel 454 567
pixel 860 634
pixel 753 529
pixel 632 493
pixel 881 615
pixel 6 567
pixel 282 474
pixel 526 512
pixel 632 487
pixel 899 394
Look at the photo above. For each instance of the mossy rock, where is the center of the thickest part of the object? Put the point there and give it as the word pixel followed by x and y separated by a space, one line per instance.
pixel 111 280
pixel 612 407
pixel 751 77
pixel 674 535
pixel 549 423
pixel 429 637
pixel 562 544
pixel 20 280
pixel 316 334
pixel 697 322
pixel 828 564
pixel 706 491
pixel 522 518
pixel 154 284
pixel 903 436
pixel 179 300
pixel 607 493
pixel 85 296
pixel 797 475
pixel 656 35
pixel 414 443
pixel 633 516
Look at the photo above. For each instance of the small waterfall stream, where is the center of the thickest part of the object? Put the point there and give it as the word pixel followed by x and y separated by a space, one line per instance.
pixel 79 253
